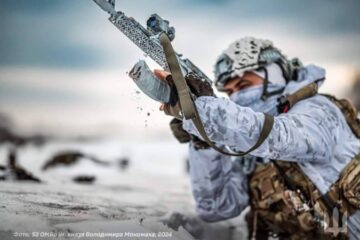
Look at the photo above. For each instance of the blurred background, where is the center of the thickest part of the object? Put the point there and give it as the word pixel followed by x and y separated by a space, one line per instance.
pixel 70 114
pixel 63 65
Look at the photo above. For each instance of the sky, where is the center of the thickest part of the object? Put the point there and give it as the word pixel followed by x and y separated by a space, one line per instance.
pixel 63 65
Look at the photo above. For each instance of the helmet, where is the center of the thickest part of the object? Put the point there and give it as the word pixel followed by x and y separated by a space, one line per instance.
pixel 248 54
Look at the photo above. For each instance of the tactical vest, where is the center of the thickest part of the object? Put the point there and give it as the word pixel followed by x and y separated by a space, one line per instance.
pixel 285 203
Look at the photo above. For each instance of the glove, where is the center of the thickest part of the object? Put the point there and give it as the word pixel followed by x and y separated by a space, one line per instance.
pixel 197 86
pixel 179 133
pixel 198 143
pixel 184 137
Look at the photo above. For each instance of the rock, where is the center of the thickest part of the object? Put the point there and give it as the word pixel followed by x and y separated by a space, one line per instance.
pixel 124 163
pixel 9 135
pixel 22 175
pixel 85 179
pixel 68 158
pixel 15 172
pixel 62 158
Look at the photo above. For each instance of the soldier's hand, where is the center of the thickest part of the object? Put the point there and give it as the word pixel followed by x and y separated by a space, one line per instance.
pixel 184 137
pixel 197 86
pixel 172 108
pixel 179 133
pixel 161 74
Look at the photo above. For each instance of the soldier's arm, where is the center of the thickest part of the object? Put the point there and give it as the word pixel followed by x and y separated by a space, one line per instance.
pixel 308 132
pixel 219 190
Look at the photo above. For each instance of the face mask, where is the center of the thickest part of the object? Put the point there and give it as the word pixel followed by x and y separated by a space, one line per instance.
pixel 251 97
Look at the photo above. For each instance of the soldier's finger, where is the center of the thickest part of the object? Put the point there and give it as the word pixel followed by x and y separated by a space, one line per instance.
pixel 161 74
pixel 162 107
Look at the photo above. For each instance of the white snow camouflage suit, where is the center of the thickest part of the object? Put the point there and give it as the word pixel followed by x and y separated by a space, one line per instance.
pixel 314 134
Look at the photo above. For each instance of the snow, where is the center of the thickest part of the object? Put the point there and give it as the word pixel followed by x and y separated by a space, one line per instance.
pixel 132 200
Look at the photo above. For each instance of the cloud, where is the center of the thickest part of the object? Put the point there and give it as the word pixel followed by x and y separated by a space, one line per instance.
pixel 76 34
pixel 60 34
pixel 307 16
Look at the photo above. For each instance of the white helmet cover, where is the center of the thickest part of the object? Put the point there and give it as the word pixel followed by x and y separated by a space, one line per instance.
pixel 248 54
pixel 245 54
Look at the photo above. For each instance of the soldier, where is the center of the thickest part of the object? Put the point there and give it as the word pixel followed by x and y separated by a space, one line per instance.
pixel 297 175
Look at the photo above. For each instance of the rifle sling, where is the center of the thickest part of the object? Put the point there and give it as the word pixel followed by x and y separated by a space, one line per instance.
pixel 188 106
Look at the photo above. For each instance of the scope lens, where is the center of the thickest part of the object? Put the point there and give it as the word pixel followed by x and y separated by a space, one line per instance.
pixel 152 22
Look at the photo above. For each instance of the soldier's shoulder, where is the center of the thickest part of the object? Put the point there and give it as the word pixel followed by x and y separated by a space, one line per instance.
pixel 316 105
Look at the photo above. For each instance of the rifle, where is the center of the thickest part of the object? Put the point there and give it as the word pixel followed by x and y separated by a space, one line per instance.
pixel 155 41
pixel 148 40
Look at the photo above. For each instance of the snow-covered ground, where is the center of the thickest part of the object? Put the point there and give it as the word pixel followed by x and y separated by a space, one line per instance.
pixel 131 201
pixel 159 159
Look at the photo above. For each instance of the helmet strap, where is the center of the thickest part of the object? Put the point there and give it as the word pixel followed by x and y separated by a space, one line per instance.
pixel 265 94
